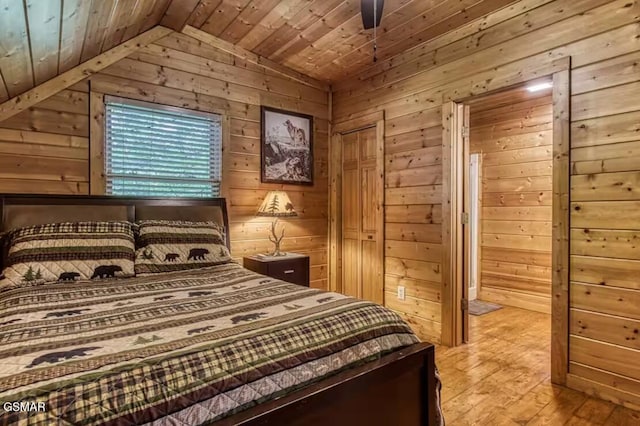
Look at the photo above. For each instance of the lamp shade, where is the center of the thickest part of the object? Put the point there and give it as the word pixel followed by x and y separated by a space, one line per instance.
pixel 277 204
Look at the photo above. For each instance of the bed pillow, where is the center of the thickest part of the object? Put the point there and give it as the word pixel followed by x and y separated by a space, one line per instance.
pixel 168 245
pixel 69 251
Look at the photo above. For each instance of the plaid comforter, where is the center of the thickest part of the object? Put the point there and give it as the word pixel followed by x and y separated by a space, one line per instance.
pixel 180 348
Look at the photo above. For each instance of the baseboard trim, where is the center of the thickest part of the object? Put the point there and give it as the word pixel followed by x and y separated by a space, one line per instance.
pixel 516 299
pixel 605 392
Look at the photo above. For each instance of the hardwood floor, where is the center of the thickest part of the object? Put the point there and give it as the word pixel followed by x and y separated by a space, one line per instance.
pixel 502 378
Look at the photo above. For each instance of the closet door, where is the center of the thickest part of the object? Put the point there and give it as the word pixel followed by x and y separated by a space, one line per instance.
pixel 362 233
pixel 351 276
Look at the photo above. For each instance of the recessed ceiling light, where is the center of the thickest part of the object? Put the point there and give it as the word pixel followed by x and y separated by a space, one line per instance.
pixel 540 86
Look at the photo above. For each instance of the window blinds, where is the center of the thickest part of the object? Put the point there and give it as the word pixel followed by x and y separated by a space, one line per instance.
pixel 161 151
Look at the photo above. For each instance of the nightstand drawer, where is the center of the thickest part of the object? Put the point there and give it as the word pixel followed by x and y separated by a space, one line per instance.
pixel 293 268
pixel 287 272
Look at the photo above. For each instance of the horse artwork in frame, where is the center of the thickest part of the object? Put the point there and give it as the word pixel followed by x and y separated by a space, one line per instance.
pixel 286 147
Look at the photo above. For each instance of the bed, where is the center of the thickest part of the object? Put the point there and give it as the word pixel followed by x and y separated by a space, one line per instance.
pixel 217 345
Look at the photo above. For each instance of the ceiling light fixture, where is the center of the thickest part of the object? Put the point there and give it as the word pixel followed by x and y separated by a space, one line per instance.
pixel 540 86
pixel 371 11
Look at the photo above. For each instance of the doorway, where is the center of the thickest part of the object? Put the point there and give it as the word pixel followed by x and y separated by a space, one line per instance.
pixel 357 214
pixel 456 210
pixel 510 209
pixel 360 235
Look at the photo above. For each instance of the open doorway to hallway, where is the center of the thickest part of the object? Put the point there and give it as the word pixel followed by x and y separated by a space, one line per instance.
pixel 508 192
pixel 507 227
pixel 509 112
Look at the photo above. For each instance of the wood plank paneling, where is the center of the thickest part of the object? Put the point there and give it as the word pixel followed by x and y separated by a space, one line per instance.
pixel 605 294
pixel 207 72
pixel 44 34
pixel 13 166
pixel 43 39
pixel 99 21
pixel 613 387
pixel 517 227
pixel 606 243
pixel 75 14
pixel 77 74
pixel 177 14
pixel 617 157
pixel 413 195
pixel 526 213
pixel 419 289
pixel 607 328
pixel 522 198
pixel 519 299
pixel 508 47
pixel 606 271
pixel 513 217
pixel 418 232
pixel 223 15
pixel 45 149
pixel 36 186
pixel 609 101
pixel 436 68
pixel 605 356
pixel 15 56
pixel 324 38
pixel 615 71
pixel 604 186
pixel 605 130
pixel 621 302
pixel 255 78
pixel 606 214
pixel 273 21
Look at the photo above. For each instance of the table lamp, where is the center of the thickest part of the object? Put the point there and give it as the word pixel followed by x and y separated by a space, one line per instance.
pixel 276 204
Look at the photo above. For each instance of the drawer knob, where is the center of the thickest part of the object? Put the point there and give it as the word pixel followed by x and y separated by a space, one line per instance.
pixel 289 271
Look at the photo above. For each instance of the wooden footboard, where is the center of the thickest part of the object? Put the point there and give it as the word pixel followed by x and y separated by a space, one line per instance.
pixel 399 389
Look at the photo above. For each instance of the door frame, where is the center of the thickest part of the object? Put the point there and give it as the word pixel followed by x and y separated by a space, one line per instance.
pixel 452 333
pixel 335 193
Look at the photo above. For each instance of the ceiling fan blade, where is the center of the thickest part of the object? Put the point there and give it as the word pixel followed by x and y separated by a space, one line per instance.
pixel 366 8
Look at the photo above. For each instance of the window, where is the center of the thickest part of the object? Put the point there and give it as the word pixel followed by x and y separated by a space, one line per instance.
pixel 153 150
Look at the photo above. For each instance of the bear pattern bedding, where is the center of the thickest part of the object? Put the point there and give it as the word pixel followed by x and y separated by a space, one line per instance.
pixel 183 348
pixel 68 251
pixel 167 246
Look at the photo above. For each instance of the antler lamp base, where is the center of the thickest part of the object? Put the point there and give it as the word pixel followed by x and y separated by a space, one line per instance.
pixel 276 204
pixel 276 240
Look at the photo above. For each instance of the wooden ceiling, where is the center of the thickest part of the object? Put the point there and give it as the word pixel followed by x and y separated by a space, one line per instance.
pixel 40 39
pixel 324 38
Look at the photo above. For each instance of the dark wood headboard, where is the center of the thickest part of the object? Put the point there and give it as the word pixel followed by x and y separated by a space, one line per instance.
pixel 18 210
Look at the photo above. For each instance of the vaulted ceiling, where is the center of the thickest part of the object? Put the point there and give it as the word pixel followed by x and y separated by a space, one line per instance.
pixel 40 39
pixel 325 38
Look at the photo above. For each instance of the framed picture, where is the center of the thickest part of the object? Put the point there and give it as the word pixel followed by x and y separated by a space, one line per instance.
pixel 286 147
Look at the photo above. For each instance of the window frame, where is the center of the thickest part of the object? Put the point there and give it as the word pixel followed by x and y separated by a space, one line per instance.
pixel 101 118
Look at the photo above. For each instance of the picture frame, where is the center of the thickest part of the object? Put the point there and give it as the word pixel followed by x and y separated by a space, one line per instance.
pixel 286 147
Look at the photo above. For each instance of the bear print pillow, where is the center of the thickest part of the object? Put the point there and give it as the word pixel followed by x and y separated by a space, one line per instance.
pixel 70 251
pixel 167 245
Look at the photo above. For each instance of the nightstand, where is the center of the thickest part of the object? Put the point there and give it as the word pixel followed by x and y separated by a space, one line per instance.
pixel 292 267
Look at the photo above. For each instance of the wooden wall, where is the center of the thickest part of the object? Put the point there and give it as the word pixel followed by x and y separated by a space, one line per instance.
pixel 46 148
pixel 512 131
pixel 517 44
